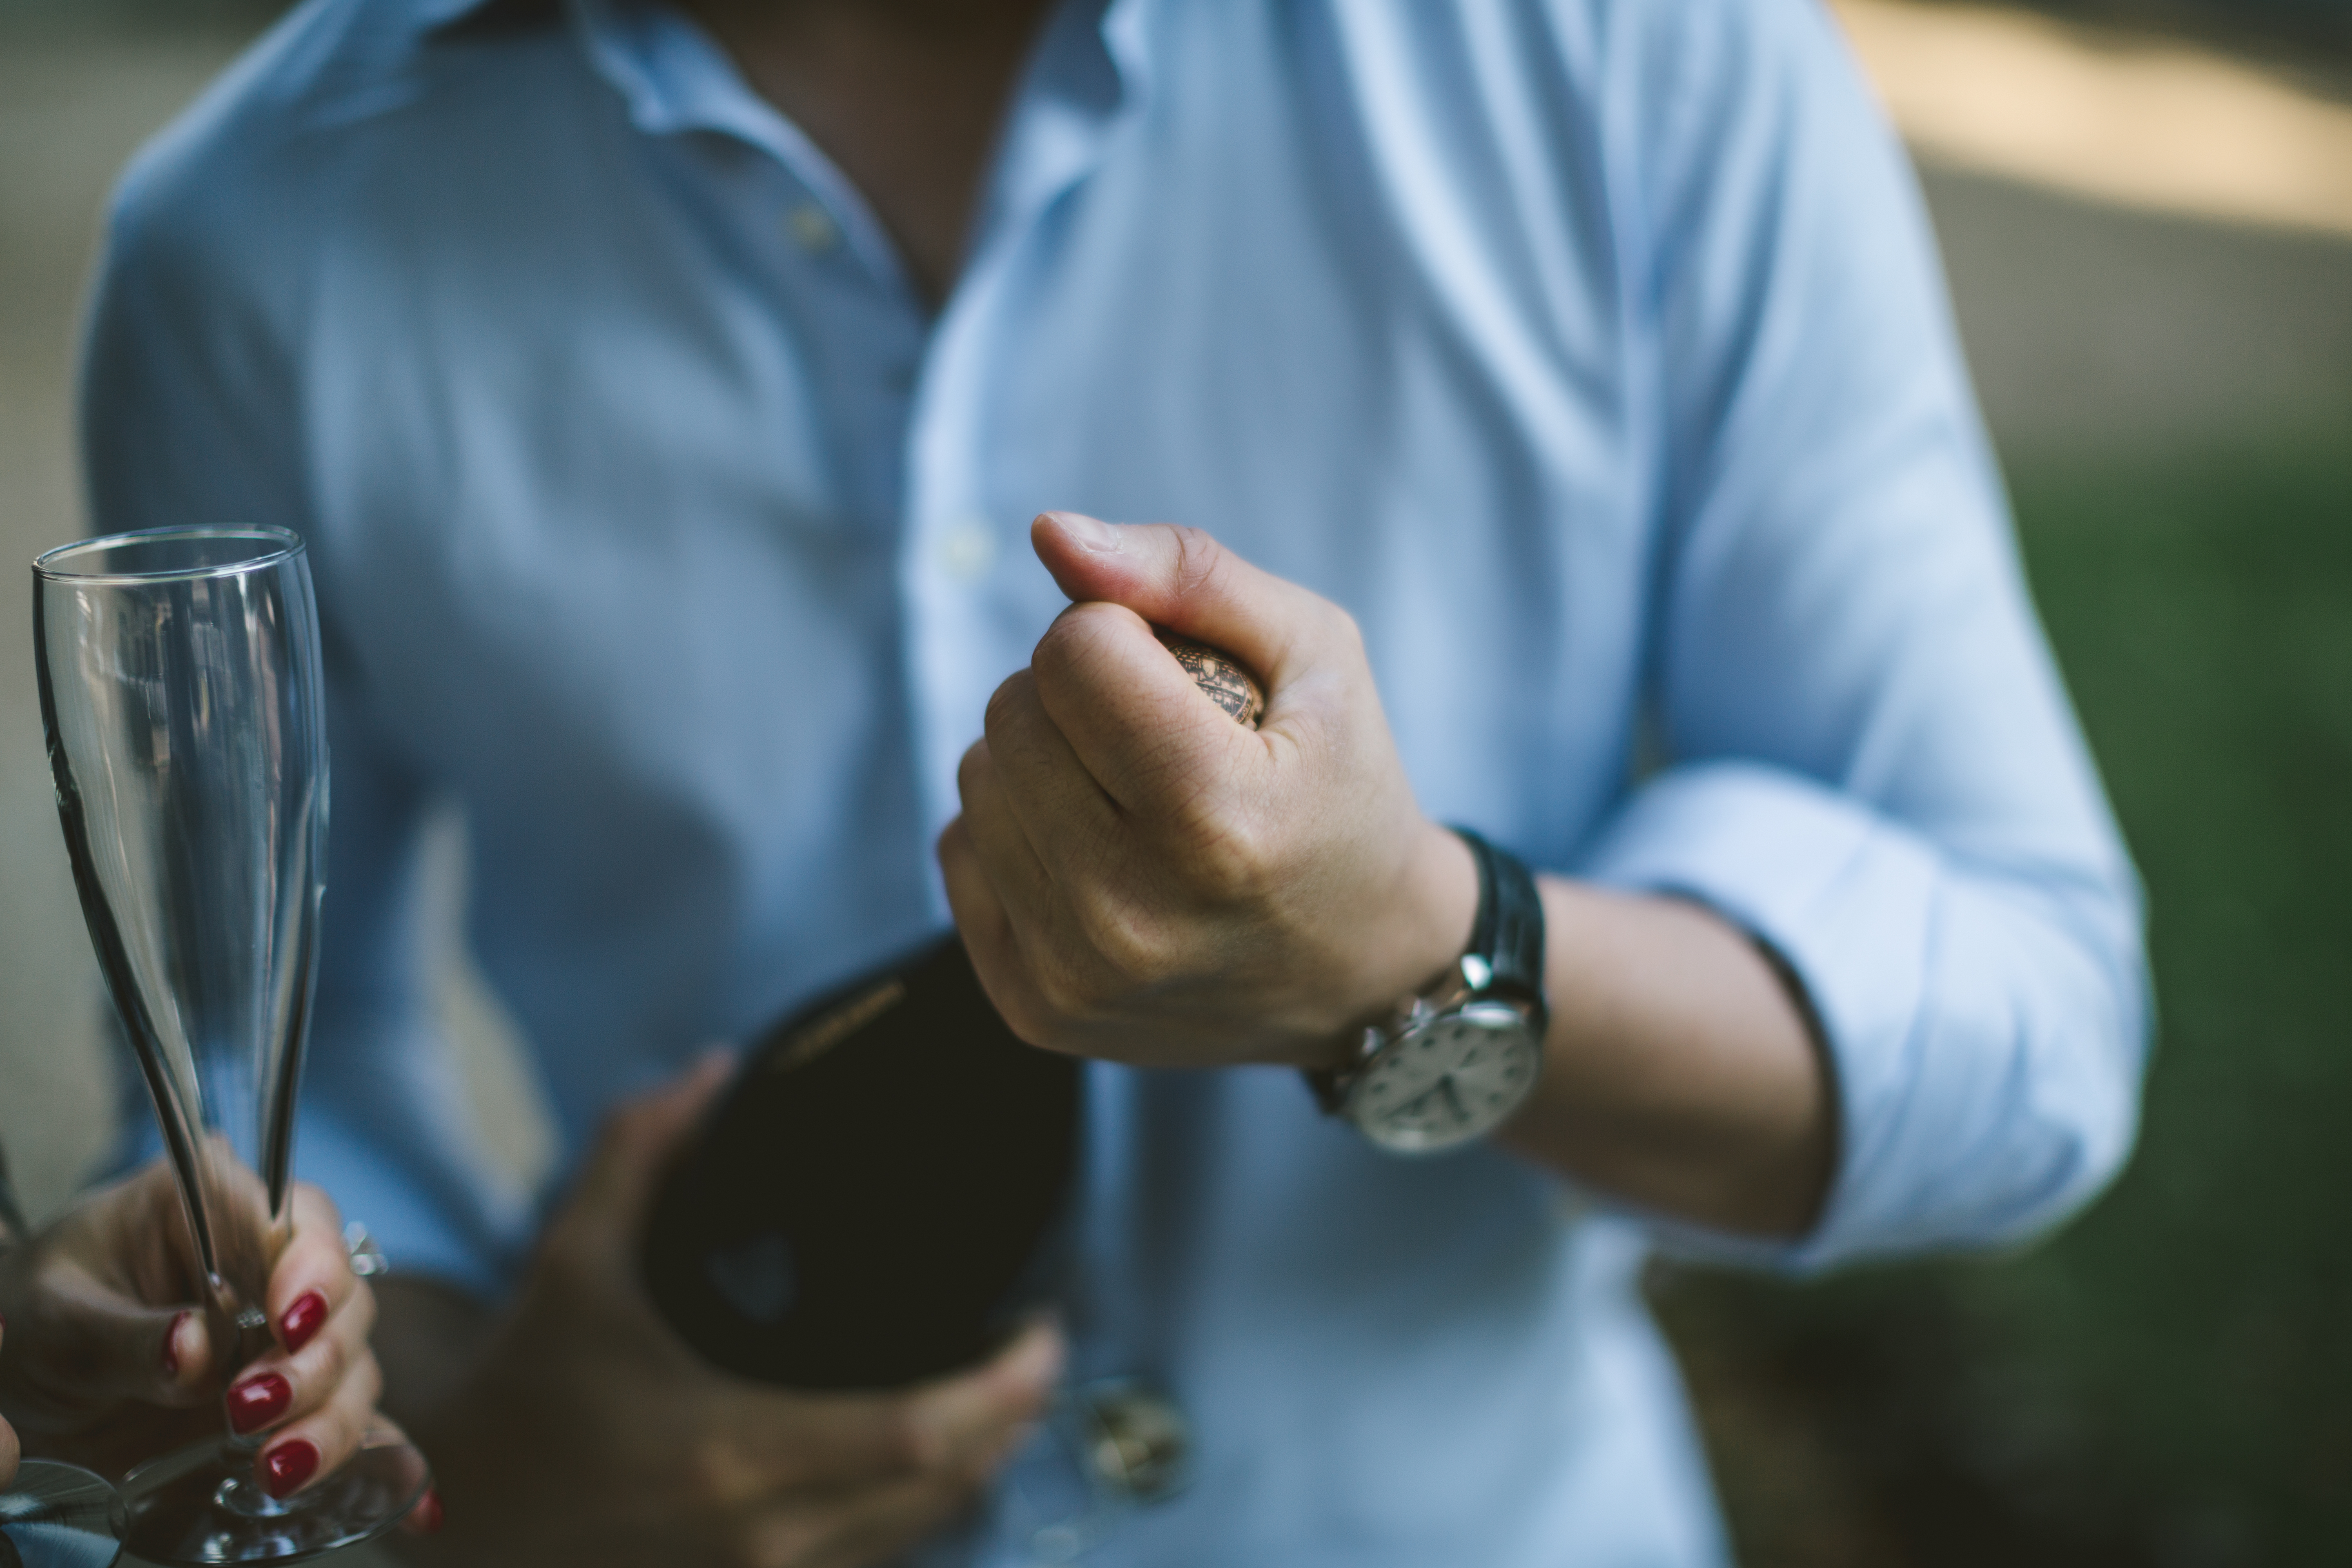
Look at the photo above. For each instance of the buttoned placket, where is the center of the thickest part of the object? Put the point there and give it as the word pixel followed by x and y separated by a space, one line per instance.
pixel 904 395
pixel 805 216
pixel 968 581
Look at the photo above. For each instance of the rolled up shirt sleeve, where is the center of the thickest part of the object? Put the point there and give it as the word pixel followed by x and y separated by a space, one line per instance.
pixel 1983 1024
pixel 1871 763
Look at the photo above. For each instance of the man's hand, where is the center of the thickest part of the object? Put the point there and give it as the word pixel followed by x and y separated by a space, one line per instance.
pixel 1140 879
pixel 107 1362
pixel 588 1435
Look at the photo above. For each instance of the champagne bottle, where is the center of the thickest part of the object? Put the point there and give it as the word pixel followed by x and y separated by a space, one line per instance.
pixel 882 1195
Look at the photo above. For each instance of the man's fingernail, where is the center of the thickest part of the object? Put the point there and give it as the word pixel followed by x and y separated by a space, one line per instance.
pixel 289 1465
pixel 425 1518
pixel 257 1401
pixel 1090 533
pixel 171 1342
pixel 303 1319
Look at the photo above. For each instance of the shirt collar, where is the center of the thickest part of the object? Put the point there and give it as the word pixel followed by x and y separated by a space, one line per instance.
pixel 1089 69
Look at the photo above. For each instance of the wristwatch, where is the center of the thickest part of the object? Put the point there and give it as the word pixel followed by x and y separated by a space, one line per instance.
pixel 1453 1062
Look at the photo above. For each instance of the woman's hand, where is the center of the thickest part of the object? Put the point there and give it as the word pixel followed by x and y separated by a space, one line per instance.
pixel 108 1362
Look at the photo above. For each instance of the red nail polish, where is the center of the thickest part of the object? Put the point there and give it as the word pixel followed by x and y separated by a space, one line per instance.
pixel 172 1343
pixel 257 1401
pixel 289 1465
pixel 425 1518
pixel 303 1319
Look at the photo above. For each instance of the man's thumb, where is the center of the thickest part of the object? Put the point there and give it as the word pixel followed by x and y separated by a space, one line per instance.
pixel 1183 579
pixel 616 1185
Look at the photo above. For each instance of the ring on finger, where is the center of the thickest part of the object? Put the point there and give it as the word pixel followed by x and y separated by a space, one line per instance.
pixel 367 1260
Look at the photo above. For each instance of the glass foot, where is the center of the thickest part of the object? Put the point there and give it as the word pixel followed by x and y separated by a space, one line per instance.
pixel 58 1516
pixel 202 1505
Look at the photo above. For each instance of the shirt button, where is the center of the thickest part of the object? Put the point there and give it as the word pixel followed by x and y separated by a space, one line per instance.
pixel 811 228
pixel 968 550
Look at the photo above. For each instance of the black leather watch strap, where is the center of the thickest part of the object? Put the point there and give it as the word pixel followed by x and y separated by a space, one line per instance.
pixel 1509 930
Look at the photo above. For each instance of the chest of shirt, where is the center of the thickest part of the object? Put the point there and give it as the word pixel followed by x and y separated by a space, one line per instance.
pixel 657 469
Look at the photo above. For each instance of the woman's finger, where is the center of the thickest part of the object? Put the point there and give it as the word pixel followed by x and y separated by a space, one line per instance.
pixel 98 1348
pixel 312 1278
pixel 278 1388
pixel 317 1443
pixel 425 1518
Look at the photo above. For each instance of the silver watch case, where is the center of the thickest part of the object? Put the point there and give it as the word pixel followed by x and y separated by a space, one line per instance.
pixel 1449 1068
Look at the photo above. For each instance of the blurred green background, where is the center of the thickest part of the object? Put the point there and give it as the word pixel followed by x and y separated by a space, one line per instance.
pixel 2165 1383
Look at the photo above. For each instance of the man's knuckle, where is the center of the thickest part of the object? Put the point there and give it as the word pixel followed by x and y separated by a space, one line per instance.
pixel 1234 863
pixel 972 772
pixel 1062 991
pixel 1063 648
pixel 1201 561
pixel 1132 950
pixel 1007 702
pixel 1071 991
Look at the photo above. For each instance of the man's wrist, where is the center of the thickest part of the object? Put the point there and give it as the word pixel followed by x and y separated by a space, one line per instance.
pixel 1438 909
pixel 1463 1052
pixel 1419 939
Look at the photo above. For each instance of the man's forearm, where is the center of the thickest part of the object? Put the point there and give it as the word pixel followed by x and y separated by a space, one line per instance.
pixel 1681 1072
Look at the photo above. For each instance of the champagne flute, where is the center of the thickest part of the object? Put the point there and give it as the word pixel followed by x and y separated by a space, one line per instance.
pixel 181 697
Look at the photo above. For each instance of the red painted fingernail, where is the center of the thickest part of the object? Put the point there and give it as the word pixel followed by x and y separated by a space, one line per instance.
pixel 425 1517
pixel 257 1401
pixel 290 1464
pixel 303 1319
pixel 172 1343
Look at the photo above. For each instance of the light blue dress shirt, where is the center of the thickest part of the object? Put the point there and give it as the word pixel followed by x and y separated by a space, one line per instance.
pixel 1593 354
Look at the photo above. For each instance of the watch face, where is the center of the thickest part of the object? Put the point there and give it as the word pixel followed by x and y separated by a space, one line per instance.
pixel 1446 1081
